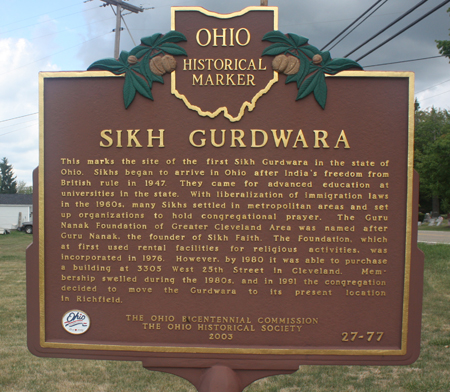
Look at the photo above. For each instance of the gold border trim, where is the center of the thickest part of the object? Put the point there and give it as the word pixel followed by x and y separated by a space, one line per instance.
pixel 246 105
pixel 75 74
pixel 208 350
pixel 224 16
pixel 41 212
pixel 218 350
pixel 409 211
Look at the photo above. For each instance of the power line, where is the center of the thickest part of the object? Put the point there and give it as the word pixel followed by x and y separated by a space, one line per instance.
pixel 359 24
pixel 445 92
pixel 351 24
pixel 46 21
pixel 316 22
pixel 21 129
pixel 434 85
pixel 389 25
pixel 45 13
pixel 406 28
pixel 16 124
pixel 403 61
pixel 75 27
pixel 15 118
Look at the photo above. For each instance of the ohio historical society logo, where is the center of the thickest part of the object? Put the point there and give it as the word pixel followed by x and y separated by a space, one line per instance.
pixel 76 322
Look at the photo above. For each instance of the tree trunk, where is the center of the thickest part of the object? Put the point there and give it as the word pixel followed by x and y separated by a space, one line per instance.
pixel 435 212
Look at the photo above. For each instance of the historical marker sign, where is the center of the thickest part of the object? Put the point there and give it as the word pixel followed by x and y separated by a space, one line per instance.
pixel 233 216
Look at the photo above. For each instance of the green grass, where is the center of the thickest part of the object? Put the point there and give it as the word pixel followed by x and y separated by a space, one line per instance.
pixel 21 371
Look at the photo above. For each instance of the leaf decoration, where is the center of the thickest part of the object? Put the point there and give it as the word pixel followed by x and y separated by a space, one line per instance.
pixel 173 49
pixel 172 36
pixel 338 65
pixel 275 36
pixel 300 75
pixel 151 41
pixel 320 90
pixel 129 92
pixel 138 75
pixel 138 51
pixel 141 86
pixel 111 65
pixel 309 50
pixel 326 57
pixel 123 57
pixel 144 69
pixel 314 64
pixel 275 49
pixel 298 40
pixel 308 86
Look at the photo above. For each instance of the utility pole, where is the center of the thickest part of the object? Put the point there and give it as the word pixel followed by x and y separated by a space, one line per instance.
pixel 119 6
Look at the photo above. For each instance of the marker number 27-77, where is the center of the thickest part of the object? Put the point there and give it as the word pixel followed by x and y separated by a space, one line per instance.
pixel 368 336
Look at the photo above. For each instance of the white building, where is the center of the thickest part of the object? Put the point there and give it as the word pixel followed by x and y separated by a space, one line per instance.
pixel 15 208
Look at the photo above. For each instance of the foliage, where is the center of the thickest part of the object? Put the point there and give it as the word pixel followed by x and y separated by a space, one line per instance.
pixel 8 179
pixel 432 153
pixel 444 45
pixel 314 64
pixel 138 75
pixel 24 189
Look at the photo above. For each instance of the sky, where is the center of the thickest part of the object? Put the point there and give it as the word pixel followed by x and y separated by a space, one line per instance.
pixel 68 35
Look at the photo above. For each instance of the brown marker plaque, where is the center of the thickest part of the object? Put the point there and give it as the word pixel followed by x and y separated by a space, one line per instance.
pixel 232 226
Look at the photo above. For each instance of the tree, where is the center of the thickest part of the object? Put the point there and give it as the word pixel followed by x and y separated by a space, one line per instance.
pixel 8 180
pixel 432 155
pixel 444 45
pixel 24 189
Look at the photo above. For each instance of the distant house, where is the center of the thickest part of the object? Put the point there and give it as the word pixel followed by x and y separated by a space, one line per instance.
pixel 15 208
